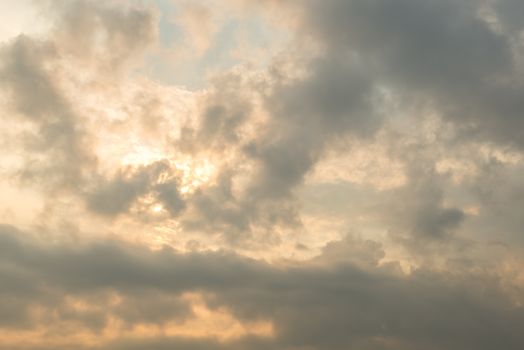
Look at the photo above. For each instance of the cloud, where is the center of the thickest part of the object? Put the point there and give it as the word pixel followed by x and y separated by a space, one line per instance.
pixel 441 53
pixel 33 77
pixel 114 196
pixel 34 95
pixel 418 207
pixel 336 100
pixel 399 122
pixel 107 35
pixel 199 24
pixel 375 307
pixel 273 132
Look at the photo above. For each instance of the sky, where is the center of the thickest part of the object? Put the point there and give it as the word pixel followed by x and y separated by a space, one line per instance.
pixel 262 174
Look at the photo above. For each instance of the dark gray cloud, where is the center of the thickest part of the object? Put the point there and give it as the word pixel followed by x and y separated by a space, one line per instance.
pixel 34 95
pixel 432 57
pixel 225 109
pixel 509 14
pixel 418 210
pixel 218 210
pixel 335 100
pixel 304 116
pixel 499 192
pixel 116 195
pixel 169 195
pixel 441 53
pixel 327 306
pixel 192 344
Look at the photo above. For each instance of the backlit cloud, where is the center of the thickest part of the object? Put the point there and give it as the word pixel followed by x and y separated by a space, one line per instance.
pixel 249 174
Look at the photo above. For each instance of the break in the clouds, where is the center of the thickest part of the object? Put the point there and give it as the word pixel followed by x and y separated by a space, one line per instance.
pixel 245 174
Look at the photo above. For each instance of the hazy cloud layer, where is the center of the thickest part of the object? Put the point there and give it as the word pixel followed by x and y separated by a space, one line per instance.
pixel 339 174
pixel 348 306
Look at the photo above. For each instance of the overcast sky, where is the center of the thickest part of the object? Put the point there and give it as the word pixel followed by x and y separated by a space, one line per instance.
pixel 262 175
